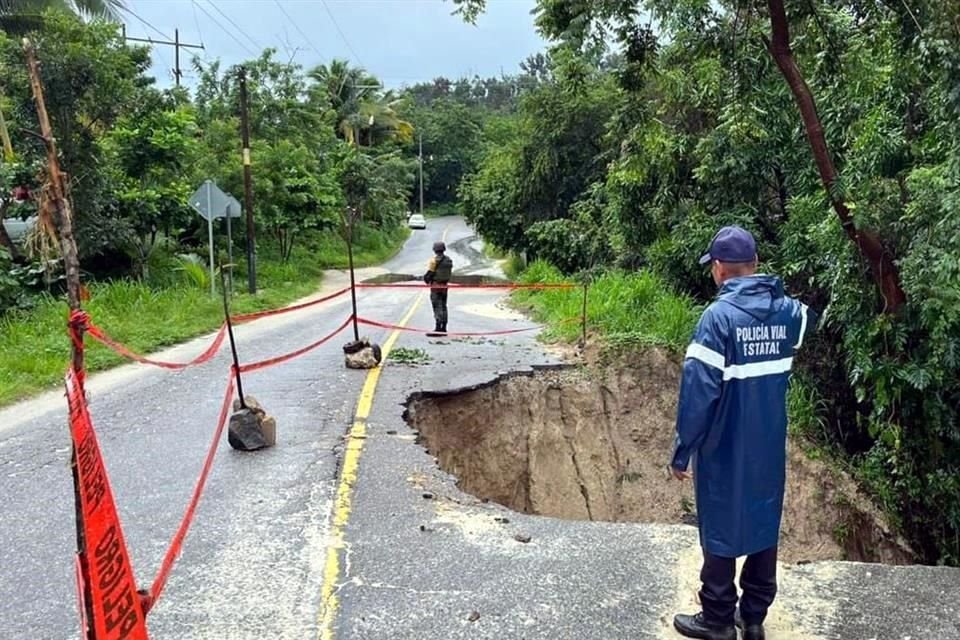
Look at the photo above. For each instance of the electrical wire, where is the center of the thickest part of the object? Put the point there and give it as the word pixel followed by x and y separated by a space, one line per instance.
pixel 343 36
pixel 236 26
pixel 196 21
pixel 227 31
pixel 145 23
pixel 297 27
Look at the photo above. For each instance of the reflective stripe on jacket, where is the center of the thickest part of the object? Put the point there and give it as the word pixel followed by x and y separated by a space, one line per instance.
pixel 732 413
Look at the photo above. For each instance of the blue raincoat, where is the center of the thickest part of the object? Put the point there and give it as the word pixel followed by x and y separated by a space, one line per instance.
pixel 732 415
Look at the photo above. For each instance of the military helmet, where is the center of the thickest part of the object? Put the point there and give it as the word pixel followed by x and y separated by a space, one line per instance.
pixel 439 247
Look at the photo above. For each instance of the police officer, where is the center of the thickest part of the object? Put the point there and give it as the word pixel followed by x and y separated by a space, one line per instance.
pixel 732 421
pixel 438 274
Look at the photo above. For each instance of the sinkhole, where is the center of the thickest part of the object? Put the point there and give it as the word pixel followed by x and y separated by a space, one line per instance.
pixel 592 443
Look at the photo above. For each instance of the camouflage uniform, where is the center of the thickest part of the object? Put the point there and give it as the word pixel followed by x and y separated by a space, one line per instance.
pixel 438 274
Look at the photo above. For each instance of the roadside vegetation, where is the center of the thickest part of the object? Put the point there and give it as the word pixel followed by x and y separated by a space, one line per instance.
pixel 654 123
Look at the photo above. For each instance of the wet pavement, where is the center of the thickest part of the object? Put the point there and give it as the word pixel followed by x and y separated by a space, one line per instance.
pixel 444 566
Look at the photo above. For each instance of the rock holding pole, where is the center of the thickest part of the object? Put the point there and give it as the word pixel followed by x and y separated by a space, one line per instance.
pixel 362 354
pixel 250 427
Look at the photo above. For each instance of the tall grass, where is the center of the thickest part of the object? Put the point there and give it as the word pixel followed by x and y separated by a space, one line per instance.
pixel 622 308
pixel 631 309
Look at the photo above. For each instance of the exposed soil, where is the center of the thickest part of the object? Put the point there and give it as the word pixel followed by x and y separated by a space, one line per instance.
pixel 592 444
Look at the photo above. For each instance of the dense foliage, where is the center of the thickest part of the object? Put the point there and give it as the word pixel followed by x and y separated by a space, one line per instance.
pixel 662 121
pixel 135 153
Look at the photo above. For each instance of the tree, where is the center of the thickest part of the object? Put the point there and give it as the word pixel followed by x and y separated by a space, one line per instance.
pixel 21 16
pixel 152 151
pixel 377 187
pixel 881 263
pixel 703 131
pixel 90 77
pixel 362 113
pixel 294 193
pixel 452 134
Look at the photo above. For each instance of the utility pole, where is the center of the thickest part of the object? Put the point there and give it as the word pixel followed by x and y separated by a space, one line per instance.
pixel 176 44
pixel 421 173
pixel 247 184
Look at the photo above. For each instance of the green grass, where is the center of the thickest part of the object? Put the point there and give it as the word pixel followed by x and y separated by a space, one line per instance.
pixel 623 309
pixel 34 348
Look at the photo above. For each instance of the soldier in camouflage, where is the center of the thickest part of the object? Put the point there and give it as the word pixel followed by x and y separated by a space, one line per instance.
pixel 438 274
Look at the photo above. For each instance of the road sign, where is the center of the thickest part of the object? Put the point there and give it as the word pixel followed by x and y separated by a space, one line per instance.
pixel 212 203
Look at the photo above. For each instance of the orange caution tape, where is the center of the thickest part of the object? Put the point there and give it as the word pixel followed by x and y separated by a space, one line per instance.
pixel 115 609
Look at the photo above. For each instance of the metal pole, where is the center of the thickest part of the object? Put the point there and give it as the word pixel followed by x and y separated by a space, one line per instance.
pixel 213 285
pixel 353 285
pixel 421 173
pixel 247 184
pixel 233 343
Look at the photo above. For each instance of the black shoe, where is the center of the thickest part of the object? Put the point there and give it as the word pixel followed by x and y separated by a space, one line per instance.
pixel 750 631
pixel 696 627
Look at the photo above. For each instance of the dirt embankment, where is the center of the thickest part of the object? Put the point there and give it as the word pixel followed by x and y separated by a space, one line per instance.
pixel 593 444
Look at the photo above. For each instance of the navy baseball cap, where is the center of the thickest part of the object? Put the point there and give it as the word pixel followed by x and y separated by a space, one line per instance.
pixel 731 244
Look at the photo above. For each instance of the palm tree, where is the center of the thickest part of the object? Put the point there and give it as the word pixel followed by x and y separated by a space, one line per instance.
pixel 362 112
pixel 20 16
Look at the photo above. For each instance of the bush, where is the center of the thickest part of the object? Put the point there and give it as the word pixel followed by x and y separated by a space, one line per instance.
pixel 623 308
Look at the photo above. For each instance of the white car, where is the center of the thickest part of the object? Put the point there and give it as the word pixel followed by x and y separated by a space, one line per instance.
pixel 417 221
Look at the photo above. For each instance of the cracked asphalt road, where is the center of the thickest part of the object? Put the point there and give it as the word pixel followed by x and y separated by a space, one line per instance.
pixel 441 568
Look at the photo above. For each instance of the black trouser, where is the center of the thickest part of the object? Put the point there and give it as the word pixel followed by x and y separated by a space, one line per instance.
pixel 438 298
pixel 758 581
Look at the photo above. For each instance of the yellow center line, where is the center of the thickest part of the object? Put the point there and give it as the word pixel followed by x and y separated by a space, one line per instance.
pixel 329 599
pixel 446 231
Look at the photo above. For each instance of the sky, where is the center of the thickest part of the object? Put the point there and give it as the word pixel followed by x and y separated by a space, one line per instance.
pixel 402 42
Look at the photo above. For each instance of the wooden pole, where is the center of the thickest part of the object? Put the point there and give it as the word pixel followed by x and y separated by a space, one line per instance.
pixel 63 219
pixel 583 318
pixel 63 214
pixel 248 184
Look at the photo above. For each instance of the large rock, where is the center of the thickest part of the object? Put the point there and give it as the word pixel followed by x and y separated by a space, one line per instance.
pixel 251 428
pixel 366 358
pixel 245 433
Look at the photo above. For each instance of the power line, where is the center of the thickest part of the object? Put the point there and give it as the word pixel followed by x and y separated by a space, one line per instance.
pixel 145 23
pixel 238 28
pixel 196 21
pixel 343 36
pixel 297 27
pixel 226 31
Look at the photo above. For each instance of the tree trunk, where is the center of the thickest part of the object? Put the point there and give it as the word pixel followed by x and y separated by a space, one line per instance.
pixel 881 264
